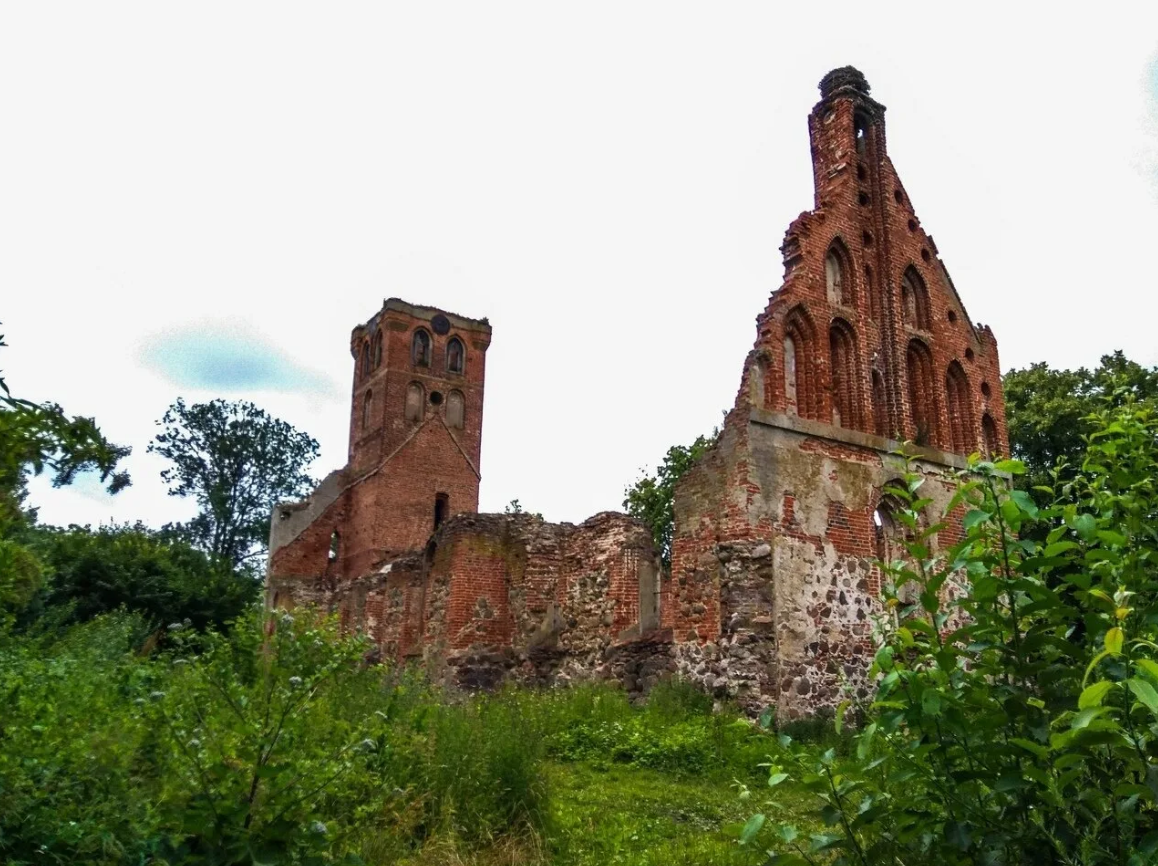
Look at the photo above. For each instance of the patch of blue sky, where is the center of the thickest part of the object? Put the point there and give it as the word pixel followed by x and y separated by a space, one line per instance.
pixel 223 360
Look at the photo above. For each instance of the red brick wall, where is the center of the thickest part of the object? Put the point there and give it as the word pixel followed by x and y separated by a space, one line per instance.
pixel 398 467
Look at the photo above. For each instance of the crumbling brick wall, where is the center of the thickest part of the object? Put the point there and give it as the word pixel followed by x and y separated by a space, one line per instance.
pixel 496 596
pixel 866 343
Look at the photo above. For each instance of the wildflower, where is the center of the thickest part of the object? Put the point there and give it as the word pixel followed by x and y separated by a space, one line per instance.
pixel 295 682
pixel 318 827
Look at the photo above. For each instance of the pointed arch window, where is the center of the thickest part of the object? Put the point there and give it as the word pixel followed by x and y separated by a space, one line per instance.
pixel 455 355
pixel 959 410
pixel 455 410
pixel 367 409
pixel 420 349
pixel 335 546
pixel 843 366
pixel 838 275
pixel 914 300
pixel 800 387
pixel 922 403
pixel 415 402
pixel 989 434
pixel 365 359
pixel 377 349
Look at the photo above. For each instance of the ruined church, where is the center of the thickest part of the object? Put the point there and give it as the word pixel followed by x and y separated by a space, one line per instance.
pixel 772 590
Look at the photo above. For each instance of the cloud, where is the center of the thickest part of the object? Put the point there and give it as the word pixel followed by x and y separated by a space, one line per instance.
pixel 225 358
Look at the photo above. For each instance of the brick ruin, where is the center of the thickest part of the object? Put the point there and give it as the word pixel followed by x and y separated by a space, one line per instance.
pixel 771 592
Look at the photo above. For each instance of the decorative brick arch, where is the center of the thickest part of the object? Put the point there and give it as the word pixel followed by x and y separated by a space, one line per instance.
pixel 844 369
pixel 801 391
pixel 914 300
pixel 840 286
pixel 989 436
pixel 959 410
pixel 925 429
pixel 376 348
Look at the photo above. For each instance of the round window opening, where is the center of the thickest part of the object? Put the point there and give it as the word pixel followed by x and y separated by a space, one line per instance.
pixel 925 255
pixel 985 389
pixel 897 195
pixel 952 316
pixel 436 398
pixel 968 354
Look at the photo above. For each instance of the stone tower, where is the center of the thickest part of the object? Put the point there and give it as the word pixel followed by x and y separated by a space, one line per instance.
pixel 415 443
pixel 865 344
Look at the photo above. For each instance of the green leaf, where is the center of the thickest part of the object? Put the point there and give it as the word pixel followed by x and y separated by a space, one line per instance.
pixel 959 834
pixel 1030 746
pixel 1148 667
pixel 1011 467
pixel 754 825
pixel 1093 695
pixel 1114 640
pixel 974 517
pixel 1084 526
pixel 1024 502
pixel 776 778
pixel 1145 693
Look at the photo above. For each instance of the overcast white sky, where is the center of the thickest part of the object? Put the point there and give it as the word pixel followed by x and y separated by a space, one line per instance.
pixel 203 199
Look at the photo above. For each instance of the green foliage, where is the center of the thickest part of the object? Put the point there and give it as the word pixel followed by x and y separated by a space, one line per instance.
pixel 165 580
pixel 35 437
pixel 274 744
pixel 676 731
pixel 651 498
pixel 237 462
pixel 1016 713
pixel 1048 411
pixel 21 576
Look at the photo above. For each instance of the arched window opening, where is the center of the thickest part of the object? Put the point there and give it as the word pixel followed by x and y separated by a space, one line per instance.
pixel 892 530
pixel 989 433
pixel 455 410
pixel 959 410
pixel 377 349
pixel 860 130
pixel 874 301
pixel 415 402
pixel 756 384
pixel 454 355
pixel 837 276
pixel 843 365
pixel 367 404
pixel 800 347
pixel 880 406
pixel 365 359
pixel 791 399
pixel 420 349
pixel 335 544
pixel 914 300
pixel 888 529
pixel 441 509
pixel 922 403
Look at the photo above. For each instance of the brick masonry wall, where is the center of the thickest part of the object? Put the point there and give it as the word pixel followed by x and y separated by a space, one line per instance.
pixel 772 595
pixel 507 596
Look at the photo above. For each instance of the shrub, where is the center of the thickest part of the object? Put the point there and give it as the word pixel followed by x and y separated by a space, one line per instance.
pixel 1017 722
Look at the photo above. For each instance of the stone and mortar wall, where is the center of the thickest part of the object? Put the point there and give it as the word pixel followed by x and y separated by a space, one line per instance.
pixel 510 596
pixel 792 589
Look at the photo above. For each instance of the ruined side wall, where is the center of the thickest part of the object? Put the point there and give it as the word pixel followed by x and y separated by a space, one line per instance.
pixel 790 584
pixel 497 596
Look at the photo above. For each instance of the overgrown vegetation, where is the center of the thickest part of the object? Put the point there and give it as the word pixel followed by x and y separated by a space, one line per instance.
pixel 276 743
pixel 1016 713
